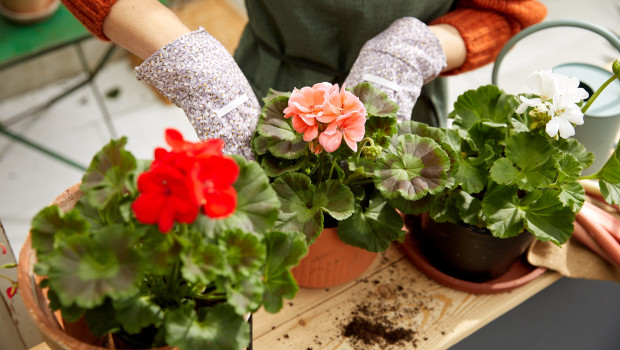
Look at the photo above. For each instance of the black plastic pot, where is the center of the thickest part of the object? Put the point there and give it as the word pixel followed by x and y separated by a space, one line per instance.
pixel 468 253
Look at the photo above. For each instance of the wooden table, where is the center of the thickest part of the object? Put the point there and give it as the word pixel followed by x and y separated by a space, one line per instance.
pixel 401 295
pixel 436 316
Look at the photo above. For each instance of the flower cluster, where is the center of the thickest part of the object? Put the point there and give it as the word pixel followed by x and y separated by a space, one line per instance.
pixel 325 115
pixel 556 105
pixel 184 178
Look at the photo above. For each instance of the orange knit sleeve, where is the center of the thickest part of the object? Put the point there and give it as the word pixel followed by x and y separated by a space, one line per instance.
pixel 91 13
pixel 487 25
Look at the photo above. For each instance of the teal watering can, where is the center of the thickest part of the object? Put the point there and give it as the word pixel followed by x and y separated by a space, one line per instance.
pixel 600 131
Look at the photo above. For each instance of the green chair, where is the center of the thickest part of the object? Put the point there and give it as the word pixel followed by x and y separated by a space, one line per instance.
pixel 20 43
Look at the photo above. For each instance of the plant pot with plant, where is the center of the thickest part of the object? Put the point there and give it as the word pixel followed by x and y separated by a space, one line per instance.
pixel 516 177
pixel 167 253
pixel 337 159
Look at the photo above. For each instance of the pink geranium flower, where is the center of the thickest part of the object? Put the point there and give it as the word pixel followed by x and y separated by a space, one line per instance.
pixel 305 106
pixel 350 128
pixel 341 104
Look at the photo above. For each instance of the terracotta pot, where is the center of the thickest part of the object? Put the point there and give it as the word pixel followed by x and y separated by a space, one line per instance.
pixel 331 262
pixel 467 253
pixel 58 335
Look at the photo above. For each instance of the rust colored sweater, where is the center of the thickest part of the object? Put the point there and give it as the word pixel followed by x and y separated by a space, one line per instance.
pixel 485 25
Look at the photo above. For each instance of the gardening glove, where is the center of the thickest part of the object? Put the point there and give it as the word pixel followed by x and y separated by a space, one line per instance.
pixel 197 74
pixel 399 61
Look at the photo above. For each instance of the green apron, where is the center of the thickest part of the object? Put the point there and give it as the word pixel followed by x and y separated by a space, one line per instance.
pixel 296 43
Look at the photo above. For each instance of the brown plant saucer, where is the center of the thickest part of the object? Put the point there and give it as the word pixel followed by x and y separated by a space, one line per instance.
pixel 520 273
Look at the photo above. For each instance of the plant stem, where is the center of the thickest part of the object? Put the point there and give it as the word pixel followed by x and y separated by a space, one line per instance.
pixel 598 92
pixel 8 279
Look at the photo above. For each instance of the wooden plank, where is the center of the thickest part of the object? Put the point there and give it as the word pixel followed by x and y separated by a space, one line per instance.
pixel 399 295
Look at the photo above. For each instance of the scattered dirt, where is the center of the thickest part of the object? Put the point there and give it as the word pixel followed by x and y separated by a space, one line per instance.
pixel 377 319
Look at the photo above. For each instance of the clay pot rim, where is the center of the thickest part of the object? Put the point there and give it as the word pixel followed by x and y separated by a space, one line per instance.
pixel 32 295
pixel 30 17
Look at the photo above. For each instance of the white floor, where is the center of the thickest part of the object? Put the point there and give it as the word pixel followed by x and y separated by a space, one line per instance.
pixel 75 127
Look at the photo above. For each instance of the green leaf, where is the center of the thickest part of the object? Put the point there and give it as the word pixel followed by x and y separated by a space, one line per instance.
pixel 375 101
pixel 374 229
pixel 275 166
pixel 335 198
pixel 470 176
pixel 470 208
pixel 50 225
pixel 70 313
pixel 243 253
pixel 137 313
pixel 548 220
pixel 284 251
pixel 302 203
pixel 540 212
pixel 504 216
pixel 421 129
pixel 282 139
pixel 85 270
pixel 201 263
pixel 487 103
pixel 215 328
pixel 529 165
pixel 298 213
pixel 609 178
pixel 259 144
pixel 257 203
pixel 418 167
pixel 106 175
pixel 380 129
pixel 578 150
pixel 246 295
pixel 570 168
pixel 572 195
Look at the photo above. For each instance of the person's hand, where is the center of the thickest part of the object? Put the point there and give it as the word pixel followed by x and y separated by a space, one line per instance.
pixel 399 61
pixel 196 73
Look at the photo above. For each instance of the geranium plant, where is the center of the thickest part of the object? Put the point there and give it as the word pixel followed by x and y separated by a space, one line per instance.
pixel 179 248
pixel 516 166
pixel 338 155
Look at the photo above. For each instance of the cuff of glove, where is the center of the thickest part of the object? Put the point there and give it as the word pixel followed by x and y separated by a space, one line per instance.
pixel 399 61
pixel 196 73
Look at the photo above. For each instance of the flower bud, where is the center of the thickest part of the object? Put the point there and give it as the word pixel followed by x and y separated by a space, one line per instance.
pixel 615 67
pixel 371 152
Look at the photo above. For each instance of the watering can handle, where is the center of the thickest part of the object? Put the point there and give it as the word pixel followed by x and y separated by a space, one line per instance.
pixel 611 37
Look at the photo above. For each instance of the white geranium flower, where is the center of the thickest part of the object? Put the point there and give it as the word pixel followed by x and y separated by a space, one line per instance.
pixel 543 84
pixel 558 98
pixel 565 116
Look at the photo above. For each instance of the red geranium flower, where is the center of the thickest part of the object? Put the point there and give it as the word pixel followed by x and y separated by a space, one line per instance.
pixel 215 178
pixel 166 195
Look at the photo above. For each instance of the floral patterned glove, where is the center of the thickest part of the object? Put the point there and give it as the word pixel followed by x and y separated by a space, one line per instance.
pixel 399 61
pixel 196 73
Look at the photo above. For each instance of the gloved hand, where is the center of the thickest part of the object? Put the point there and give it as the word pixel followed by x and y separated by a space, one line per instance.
pixel 197 74
pixel 399 61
